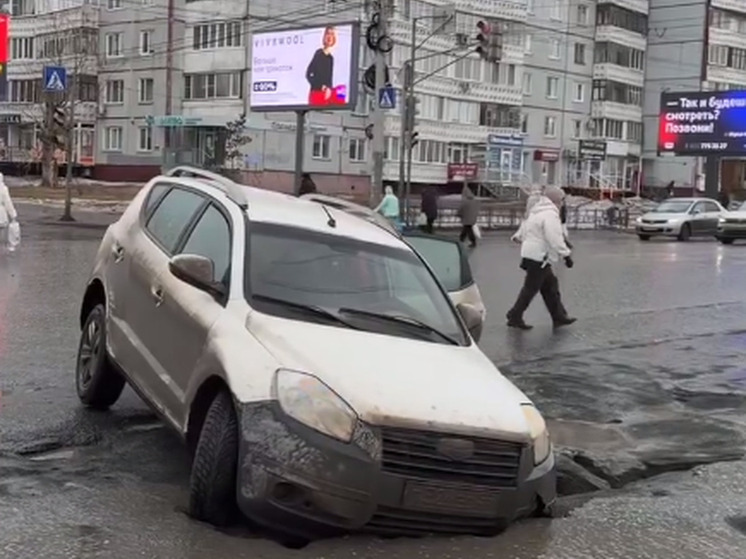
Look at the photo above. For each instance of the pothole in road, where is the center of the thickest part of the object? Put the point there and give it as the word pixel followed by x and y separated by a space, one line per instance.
pixel 738 523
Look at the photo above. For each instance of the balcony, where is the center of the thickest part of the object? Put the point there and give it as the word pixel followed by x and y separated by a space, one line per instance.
pixel 621 36
pixel 640 6
pixel 499 9
pixel 731 5
pixel 727 37
pixel 448 131
pixel 616 73
pixel 55 22
pixel 616 111
pixel 469 90
pixel 724 74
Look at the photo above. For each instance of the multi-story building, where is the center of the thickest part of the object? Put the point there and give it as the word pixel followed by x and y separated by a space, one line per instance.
pixel 49 32
pixel 699 45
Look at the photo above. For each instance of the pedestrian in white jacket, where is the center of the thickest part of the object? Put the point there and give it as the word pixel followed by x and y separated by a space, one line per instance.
pixel 543 243
pixel 8 212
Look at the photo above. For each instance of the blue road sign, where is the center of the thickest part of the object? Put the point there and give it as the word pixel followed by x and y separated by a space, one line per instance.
pixel 387 98
pixel 55 78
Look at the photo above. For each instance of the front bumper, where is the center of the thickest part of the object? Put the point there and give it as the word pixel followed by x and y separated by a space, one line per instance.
pixel 296 480
pixel 656 229
pixel 729 231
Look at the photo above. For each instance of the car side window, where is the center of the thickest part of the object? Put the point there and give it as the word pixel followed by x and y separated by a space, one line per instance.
pixel 154 197
pixel 211 238
pixel 699 207
pixel 711 207
pixel 173 214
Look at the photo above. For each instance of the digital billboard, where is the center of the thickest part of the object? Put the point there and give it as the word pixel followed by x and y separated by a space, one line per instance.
pixel 305 69
pixel 702 123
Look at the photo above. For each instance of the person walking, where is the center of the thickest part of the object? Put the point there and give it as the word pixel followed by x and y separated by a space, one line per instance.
pixel 542 244
pixel 8 214
pixel 429 207
pixel 389 206
pixel 307 186
pixel 468 211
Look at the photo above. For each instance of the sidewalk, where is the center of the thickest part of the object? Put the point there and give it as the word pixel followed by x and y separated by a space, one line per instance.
pixel 40 213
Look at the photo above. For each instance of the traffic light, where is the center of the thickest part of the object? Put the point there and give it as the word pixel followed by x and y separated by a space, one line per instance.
pixel 489 42
pixel 411 120
pixel 59 124
pixel 414 139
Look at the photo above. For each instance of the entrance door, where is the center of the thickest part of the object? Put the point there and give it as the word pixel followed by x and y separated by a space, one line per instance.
pixel 506 164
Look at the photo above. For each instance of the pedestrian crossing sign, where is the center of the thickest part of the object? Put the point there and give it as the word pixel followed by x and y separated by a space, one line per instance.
pixel 55 78
pixel 387 98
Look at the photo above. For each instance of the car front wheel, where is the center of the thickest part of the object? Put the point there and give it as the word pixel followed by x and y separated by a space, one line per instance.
pixel 212 495
pixel 643 237
pixel 685 233
pixel 97 381
pixel 726 241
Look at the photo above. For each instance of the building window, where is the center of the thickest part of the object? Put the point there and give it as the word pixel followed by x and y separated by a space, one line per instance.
pixel 556 9
pixel 113 4
pixel 580 54
pixel 114 92
pixel 391 149
pixel 608 128
pixel 25 91
pixel 145 91
pixel 617 92
pixel 86 88
pixel 527 46
pixel 577 127
pixel 357 149
pixel 634 131
pixel 22 7
pixel 524 123
pixel 321 146
pixel 145 139
pixel 717 55
pixel 146 42
pixel 555 49
pixel 616 16
pixel 583 14
pixel 217 35
pixel 113 45
pixel 579 95
pixel 552 87
pixel 22 48
pixel 550 126
pixel 225 85
pixel 113 138
pixel 495 115
pixel 526 83
pixel 621 55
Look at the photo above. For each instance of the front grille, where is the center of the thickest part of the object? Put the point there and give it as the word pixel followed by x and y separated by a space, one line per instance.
pixel 655 221
pixel 414 454
pixel 402 522
pixel 735 221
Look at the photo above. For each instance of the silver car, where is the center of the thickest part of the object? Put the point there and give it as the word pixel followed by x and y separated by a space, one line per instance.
pixel 681 218
pixel 732 224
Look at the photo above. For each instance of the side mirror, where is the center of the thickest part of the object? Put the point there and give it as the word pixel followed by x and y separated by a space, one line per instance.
pixel 198 271
pixel 696 211
pixel 473 319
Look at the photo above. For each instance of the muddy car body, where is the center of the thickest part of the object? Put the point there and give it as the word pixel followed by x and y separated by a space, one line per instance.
pixel 320 375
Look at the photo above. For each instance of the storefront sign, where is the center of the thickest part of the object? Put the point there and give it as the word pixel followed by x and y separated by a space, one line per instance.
pixel 462 171
pixel 10 119
pixel 504 153
pixel 546 155
pixel 173 121
pixel 591 150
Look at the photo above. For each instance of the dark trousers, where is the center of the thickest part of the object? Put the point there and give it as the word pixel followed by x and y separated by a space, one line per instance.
pixel 467 232
pixel 539 279
pixel 429 225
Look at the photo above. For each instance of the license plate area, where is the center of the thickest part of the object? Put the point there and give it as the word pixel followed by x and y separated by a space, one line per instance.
pixel 463 500
pixel 650 229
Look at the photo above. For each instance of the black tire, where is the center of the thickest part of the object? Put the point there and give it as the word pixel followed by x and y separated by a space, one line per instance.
pixel 212 486
pixel 685 233
pixel 726 241
pixel 643 237
pixel 97 381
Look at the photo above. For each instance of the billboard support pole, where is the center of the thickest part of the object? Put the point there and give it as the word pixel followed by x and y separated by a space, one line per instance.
pixel 712 176
pixel 300 136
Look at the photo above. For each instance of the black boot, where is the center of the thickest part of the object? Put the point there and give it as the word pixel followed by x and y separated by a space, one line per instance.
pixel 517 322
pixel 565 321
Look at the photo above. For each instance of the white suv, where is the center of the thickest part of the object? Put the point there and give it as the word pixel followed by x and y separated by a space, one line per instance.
pixel 317 369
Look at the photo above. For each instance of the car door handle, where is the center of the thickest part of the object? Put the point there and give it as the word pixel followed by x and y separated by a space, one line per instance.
pixel 157 294
pixel 118 252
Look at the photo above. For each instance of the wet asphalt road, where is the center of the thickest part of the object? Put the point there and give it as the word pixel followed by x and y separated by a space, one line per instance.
pixel 651 378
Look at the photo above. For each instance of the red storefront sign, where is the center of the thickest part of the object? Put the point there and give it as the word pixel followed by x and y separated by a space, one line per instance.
pixel 546 155
pixel 463 171
pixel 4 30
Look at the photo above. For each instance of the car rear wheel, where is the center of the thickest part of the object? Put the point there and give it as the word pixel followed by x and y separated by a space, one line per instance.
pixel 212 495
pixel 644 237
pixel 97 381
pixel 726 241
pixel 685 233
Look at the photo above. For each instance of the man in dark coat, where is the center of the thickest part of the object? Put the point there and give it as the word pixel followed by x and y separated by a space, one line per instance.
pixel 429 207
pixel 468 212
pixel 307 186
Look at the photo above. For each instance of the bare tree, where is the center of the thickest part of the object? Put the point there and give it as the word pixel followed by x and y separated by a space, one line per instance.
pixel 70 42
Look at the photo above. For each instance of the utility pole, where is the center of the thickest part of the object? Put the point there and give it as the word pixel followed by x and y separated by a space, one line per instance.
pixel 379 142
pixel 70 146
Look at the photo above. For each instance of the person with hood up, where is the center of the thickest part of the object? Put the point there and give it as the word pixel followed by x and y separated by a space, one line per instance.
pixel 468 211
pixel 8 212
pixel 389 206
pixel 307 186
pixel 542 244
pixel 429 207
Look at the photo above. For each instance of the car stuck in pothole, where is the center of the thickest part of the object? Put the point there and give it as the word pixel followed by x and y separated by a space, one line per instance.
pixel 313 362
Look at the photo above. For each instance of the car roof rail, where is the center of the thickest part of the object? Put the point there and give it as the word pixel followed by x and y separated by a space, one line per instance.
pixel 231 189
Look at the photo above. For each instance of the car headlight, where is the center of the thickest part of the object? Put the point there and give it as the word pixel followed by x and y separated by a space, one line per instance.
pixel 539 433
pixel 638 220
pixel 721 220
pixel 306 399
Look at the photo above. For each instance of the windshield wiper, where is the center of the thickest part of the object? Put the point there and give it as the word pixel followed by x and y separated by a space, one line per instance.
pixel 309 309
pixel 405 320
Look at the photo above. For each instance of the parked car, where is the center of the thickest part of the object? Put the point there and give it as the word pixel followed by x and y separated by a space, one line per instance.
pixel 732 224
pixel 446 256
pixel 319 373
pixel 681 218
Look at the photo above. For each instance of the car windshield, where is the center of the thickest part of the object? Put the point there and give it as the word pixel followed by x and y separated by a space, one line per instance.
pixel 673 207
pixel 367 286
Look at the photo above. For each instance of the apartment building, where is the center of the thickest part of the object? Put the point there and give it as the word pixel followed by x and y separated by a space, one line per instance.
pixel 699 45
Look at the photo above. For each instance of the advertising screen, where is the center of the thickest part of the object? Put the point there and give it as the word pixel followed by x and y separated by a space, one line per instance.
pixel 702 122
pixel 305 69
